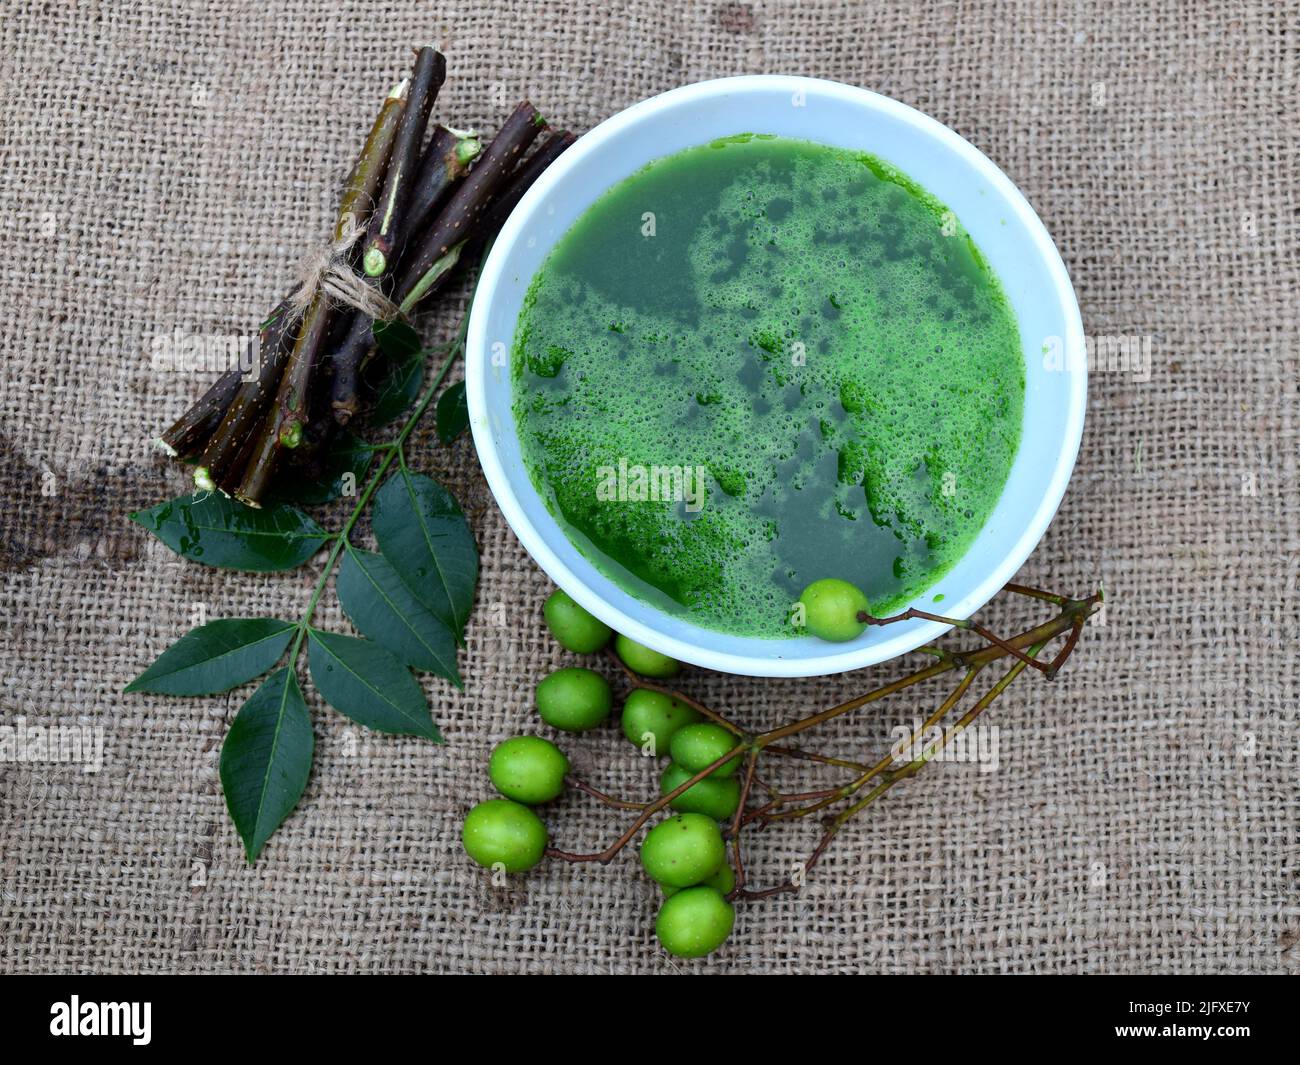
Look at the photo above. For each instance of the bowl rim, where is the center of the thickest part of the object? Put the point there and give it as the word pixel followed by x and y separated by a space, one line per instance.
pixel 909 635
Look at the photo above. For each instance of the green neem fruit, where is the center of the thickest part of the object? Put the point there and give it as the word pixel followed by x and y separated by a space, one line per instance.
pixel 503 832
pixel 654 717
pixel 574 627
pixel 574 699
pixel 642 660
pixel 683 850
pixel 724 880
pixel 528 769
pixel 697 747
pixel 834 610
pixel 694 922
pixel 714 796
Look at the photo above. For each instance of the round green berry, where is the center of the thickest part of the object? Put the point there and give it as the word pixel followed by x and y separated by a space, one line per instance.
pixel 835 610
pixel 694 922
pixel 714 796
pixel 652 718
pixel 575 628
pixel 683 850
pixel 724 880
pixel 640 659
pixel 501 832
pixel 574 699
pixel 697 747
pixel 528 769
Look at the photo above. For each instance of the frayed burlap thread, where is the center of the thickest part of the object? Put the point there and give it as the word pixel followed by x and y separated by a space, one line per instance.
pixel 328 272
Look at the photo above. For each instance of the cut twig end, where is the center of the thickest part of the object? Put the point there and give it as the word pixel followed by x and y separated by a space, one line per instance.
pixel 468 148
pixel 375 262
pixel 291 435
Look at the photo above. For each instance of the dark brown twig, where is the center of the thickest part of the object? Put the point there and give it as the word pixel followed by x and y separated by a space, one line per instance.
pixel 357 199
pixel 738 861
pixel 282 425
pixel 228 443
pixel 446 160
pixel 346 361
pixel 427 77
pixel 189 434
pixel 813 756
pixel 524 177
pixel 424 267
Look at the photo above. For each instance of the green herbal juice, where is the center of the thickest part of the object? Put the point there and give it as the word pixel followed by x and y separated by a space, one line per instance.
pixel 761 362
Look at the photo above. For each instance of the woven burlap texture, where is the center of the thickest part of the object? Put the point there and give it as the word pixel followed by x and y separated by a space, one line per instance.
pixel 163 168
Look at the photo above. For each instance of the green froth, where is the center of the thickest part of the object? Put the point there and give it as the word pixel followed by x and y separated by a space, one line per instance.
pixel 808 327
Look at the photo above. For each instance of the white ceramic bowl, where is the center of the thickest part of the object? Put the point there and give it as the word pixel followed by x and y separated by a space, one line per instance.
pixel 1003 225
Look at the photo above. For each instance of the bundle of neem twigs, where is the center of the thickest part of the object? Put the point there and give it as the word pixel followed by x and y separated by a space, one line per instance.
pixel 406 216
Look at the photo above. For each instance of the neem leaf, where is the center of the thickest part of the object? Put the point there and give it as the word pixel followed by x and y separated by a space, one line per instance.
pixel 338 471
pixel 363 681
pixel 266 759
pixel 396 390
pixel 423 533
pixel 397 339
pixel 452 413
pixel 219 531
pixel 401 373
pixel 216 657
pixel 382 607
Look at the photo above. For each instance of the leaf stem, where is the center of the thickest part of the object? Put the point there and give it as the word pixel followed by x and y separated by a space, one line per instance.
pixel 392 449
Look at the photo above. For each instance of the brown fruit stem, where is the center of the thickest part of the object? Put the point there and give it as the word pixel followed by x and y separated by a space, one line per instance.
pixel 855 795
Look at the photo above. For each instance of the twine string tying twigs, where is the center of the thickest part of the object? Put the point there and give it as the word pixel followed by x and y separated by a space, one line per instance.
pixel 328 272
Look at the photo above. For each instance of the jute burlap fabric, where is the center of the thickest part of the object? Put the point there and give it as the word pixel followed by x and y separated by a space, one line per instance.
pixel 163 167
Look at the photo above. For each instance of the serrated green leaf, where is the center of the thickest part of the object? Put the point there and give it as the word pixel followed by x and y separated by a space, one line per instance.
pixel 452 413
pixel 216 657
pixel 336 472
pixel 400 373
pixel 218 531
pixel 266 759
pixel 364 682
pixel 382 607
pixel 424 535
